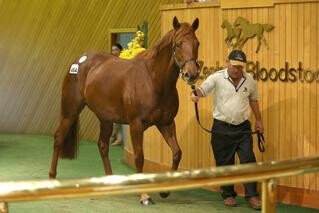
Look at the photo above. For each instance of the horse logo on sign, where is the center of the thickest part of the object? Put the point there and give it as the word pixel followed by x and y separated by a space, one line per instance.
pixel 242 30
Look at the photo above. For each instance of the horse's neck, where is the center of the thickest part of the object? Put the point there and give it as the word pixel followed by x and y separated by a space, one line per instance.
pixel 228 26
pixel 162 67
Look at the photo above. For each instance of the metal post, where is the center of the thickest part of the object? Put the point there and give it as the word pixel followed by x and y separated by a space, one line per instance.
pixel 269 196
pixel 4 208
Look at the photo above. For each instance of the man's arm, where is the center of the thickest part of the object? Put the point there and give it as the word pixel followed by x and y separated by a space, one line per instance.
pixel 205 88
pixel 255 108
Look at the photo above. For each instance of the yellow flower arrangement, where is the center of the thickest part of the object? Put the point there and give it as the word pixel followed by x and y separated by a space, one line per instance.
pixel 134 47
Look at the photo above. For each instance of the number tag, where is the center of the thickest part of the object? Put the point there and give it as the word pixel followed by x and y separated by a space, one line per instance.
pixel 74 69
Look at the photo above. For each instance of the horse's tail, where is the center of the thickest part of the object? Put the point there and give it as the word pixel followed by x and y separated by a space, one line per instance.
pixel 70 146
pixel 268 27
pixel 72 103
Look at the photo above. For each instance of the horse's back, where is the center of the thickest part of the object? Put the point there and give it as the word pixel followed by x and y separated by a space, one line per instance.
pixel 105 86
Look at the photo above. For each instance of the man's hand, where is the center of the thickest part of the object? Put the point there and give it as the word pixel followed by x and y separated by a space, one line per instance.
pixel 194 97
pixel 259 126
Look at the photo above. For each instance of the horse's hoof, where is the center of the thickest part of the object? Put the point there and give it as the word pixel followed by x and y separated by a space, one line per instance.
pixel 52 175
pixel 164 194
pixel 147 202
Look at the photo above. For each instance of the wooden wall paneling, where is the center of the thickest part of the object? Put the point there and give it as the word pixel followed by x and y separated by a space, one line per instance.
pixel 289 85
pixel 312 91
pixel 306 113
pixel 258 19
pixel 281 95
pixel 294 92
pixel 270 128
pixel 300 51
pixel 317 91
pixel 267 18
pixel 265 61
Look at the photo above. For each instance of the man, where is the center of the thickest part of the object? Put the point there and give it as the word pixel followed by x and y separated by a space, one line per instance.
pixel 116 137
pixel 235 93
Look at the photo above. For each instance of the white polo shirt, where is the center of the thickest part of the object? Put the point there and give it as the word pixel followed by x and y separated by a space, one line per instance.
pixel 231 104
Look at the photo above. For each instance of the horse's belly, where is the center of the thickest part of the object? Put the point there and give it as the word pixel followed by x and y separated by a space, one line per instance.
pixel 161 116
pixel 106 105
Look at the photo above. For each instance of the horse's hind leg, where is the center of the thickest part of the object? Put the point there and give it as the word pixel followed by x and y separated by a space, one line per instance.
pixel 103 144
pixel 169 134
pixel 59 137
pixel 66 136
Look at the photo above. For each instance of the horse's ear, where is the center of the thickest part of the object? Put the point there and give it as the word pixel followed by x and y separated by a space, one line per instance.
pixel 195 24
pixel 176 24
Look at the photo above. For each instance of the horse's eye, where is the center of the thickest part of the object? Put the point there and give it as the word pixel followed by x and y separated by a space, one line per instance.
pixel 179 45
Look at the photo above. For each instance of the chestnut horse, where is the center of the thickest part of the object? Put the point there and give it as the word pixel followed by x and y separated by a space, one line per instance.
pixel 140 92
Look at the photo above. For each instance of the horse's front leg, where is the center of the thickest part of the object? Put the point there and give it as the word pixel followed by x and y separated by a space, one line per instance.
pixel 137 131
pixel 169 134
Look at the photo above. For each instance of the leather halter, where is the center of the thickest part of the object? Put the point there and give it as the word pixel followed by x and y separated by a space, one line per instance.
pixel 181 65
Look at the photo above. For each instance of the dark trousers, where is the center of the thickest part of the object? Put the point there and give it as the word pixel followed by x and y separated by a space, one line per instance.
pixel 224 149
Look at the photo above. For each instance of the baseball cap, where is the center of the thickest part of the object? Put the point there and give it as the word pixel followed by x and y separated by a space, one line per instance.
pixel 237 57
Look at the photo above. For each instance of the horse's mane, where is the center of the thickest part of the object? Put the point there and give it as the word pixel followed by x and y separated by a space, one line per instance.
pixel 167 40
pixel 159 46
pixel 242 20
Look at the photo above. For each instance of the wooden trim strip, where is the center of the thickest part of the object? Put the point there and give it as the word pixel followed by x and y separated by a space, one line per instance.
pixel 182 6
pixel 123 30
pixel 293 1
pixel 245 4
pixel 234 4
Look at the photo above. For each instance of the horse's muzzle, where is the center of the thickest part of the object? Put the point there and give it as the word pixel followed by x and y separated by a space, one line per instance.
pixel 191 79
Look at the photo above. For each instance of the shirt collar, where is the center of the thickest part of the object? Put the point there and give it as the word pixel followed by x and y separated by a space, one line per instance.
pixel 226 75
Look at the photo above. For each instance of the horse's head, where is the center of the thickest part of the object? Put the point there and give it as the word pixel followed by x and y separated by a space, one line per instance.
pixel 240 20
pixel 185 50
pixel 224 24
